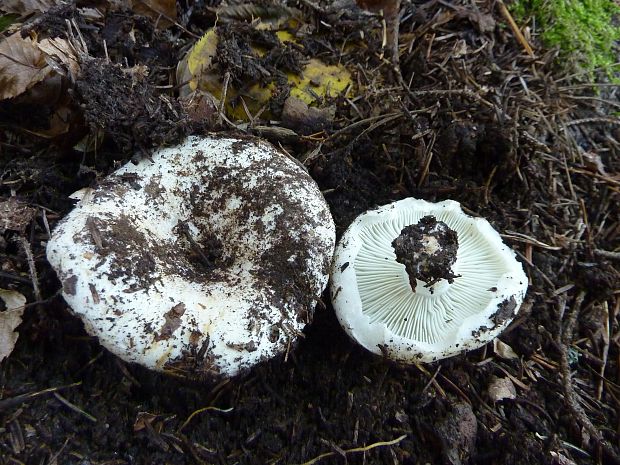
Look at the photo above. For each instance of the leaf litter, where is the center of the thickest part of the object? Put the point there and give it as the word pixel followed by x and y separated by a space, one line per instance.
pixel 10 319
pixel 22 65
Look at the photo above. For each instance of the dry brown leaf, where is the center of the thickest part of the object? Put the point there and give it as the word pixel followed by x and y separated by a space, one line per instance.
pixel 10 319
pixel 25 7
pixel 15 215
pixel 144 418
pixel 59 123
pixel 483 22
pixel 594 163
pixel 22 65
pixel 62 57
pixel 501 388
pixel 376 5
pixel 164 12
pixel 306 120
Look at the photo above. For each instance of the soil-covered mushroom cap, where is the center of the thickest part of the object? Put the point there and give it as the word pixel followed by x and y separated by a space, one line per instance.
pixel 204 259
pixel 421 281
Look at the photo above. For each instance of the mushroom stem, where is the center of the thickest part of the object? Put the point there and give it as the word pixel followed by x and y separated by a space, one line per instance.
pixel 428 251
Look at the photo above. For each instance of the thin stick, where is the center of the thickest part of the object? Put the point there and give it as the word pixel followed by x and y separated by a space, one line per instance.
pixel 606 338
pixel 31 266
pixel 356 449
pixel 17 400
pixel 74 407
pixel 607 254
pixel 563 341
pixel 204 409
pixel 515 28
pixel 221 109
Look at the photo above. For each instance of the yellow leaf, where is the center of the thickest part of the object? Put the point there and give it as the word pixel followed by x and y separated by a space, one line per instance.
pixel 316 81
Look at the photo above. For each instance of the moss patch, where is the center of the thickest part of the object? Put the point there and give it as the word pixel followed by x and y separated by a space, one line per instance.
pixel 586 31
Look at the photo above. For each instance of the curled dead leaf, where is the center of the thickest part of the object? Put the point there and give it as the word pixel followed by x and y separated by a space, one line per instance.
pixel 22 65
pixel 61 56
pixel 504 350
pixel 10 319
pixel 144 418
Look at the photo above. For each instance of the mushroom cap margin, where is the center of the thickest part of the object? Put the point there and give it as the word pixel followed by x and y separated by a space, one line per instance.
pixel 473 332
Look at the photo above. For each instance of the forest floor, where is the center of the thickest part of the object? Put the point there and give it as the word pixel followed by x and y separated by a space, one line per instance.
pixel 468 115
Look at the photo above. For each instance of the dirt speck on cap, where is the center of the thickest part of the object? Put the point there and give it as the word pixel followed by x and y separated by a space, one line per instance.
pixel 505 311
pixel 172 323
pixel 68 285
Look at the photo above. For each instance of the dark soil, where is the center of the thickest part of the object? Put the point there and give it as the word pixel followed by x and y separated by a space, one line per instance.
pixel 470 117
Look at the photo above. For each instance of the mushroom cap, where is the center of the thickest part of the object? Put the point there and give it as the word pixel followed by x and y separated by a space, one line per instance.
pixel 375 303
pixel 203 260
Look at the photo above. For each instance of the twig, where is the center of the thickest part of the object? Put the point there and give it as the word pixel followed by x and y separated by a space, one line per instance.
pixel 597 120
pixel 220 110
pixel 387 116
pixel 428 157
pixel 446 92
pixel 5 275
pixel 605 354
pixel 31 266
pixel 200 410
pixel 19 399
pixel 392 20
pixel 74 407
pixel 607 254
pixel 515 28
pixel 184 229
pixel 564 338
pixel 356 449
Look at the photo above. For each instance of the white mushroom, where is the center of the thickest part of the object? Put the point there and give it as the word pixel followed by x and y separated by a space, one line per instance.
pixel 421 281
pixel 205 259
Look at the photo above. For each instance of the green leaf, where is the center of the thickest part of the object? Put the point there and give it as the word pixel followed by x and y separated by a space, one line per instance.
pixel 6 21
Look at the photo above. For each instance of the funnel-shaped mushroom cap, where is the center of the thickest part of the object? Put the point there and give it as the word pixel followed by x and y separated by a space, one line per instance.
pixel 204 259
pixel 417 318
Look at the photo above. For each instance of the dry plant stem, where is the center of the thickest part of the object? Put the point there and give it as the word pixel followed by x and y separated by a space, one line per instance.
pixel 74 407
pixel 515 29
pixel 223 100
pixel 594 121
pixel 392 20
pixel 344 452
pixel 606 338
pixel 564 339
pixel 607 254
pixel 31 266
pixel 19 399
